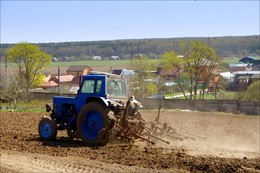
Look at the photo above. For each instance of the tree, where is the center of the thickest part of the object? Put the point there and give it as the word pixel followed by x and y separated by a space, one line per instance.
pixel 200 63
pixel 171 61
pixel 173 64
pixel 30 60
pixel 198 66
pixel 142 81
pixel 252 92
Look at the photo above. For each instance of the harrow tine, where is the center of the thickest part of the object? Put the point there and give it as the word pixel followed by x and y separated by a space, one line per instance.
pixel 143 138
pixel 169 135
pixel 167 142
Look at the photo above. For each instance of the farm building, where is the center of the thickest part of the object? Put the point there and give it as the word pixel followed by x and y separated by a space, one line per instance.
pixel 123 72
pixel 78 70
pixel 114 58
pixel 96 58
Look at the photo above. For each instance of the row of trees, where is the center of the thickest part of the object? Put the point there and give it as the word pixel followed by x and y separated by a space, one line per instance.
pixel 225 47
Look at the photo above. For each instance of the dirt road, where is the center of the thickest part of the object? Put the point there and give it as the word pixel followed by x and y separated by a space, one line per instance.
pixel 231 144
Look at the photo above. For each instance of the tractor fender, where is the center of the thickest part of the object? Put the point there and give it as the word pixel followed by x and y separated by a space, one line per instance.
pixel 103 100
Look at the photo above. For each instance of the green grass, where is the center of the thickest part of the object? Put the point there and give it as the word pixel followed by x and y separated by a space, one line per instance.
pixel 35 105
pixel 22 110
pixel 225 95
pixel 233 60
pixel 88 63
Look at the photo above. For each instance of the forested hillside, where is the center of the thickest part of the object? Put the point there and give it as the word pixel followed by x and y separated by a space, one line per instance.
pixel 235 46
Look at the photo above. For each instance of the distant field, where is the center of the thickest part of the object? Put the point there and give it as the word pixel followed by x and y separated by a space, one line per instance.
pixel 92 63
pixel 111 63
pixel 88 63
pixel 233 60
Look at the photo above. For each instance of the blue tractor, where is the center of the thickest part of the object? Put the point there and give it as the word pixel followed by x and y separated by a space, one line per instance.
pixel 100 102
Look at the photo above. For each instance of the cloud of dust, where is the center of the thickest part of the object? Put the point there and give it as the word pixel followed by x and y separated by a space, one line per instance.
pixel 225 136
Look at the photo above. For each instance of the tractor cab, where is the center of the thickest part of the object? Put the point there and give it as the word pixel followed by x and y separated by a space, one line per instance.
pixel 103 85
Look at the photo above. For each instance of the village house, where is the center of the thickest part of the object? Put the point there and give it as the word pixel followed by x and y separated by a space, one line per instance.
pixel 240 67
pixel 49 85
pixel 208 72
pixel 255 77
pixel 63 80
pixel 252 60
pixel 168 73
pixel 69 82
pixel 243 79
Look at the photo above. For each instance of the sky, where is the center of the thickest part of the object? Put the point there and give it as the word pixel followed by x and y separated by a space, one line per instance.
pixel 68 21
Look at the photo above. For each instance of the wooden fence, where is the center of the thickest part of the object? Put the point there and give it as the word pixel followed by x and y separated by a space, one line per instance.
pixel 233 106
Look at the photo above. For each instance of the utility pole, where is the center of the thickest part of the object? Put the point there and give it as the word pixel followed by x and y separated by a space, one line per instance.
pixel 5 81
pixel 131 54
pixel 58 80
pixel 1 85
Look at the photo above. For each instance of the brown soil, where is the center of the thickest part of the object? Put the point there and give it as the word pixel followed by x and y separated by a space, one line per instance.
pixel 231 145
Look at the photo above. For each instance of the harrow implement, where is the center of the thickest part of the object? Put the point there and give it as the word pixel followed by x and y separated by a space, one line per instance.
pixel 132 127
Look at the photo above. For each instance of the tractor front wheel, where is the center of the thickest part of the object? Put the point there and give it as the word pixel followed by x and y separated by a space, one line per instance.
pixel 47 129
pixel 91 120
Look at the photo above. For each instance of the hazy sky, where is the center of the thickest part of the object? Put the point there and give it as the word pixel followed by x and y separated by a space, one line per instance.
pixel 64 21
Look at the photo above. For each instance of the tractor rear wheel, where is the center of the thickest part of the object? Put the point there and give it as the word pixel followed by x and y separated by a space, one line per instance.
pixel 92 118
pixel 47 129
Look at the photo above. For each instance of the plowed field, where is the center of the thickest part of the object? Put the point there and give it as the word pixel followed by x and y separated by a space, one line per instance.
pixel 230 144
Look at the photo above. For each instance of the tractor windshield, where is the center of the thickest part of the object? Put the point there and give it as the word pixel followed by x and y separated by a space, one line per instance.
pixel 116 87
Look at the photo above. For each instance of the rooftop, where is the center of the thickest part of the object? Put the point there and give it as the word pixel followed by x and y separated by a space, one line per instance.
pixel 239 65
pixel 247 72
pixel 244 77
pixel 65 78
pixel 49 84
pixel 77 68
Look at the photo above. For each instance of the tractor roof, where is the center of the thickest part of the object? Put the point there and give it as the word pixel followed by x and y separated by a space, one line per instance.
pixel 105 74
